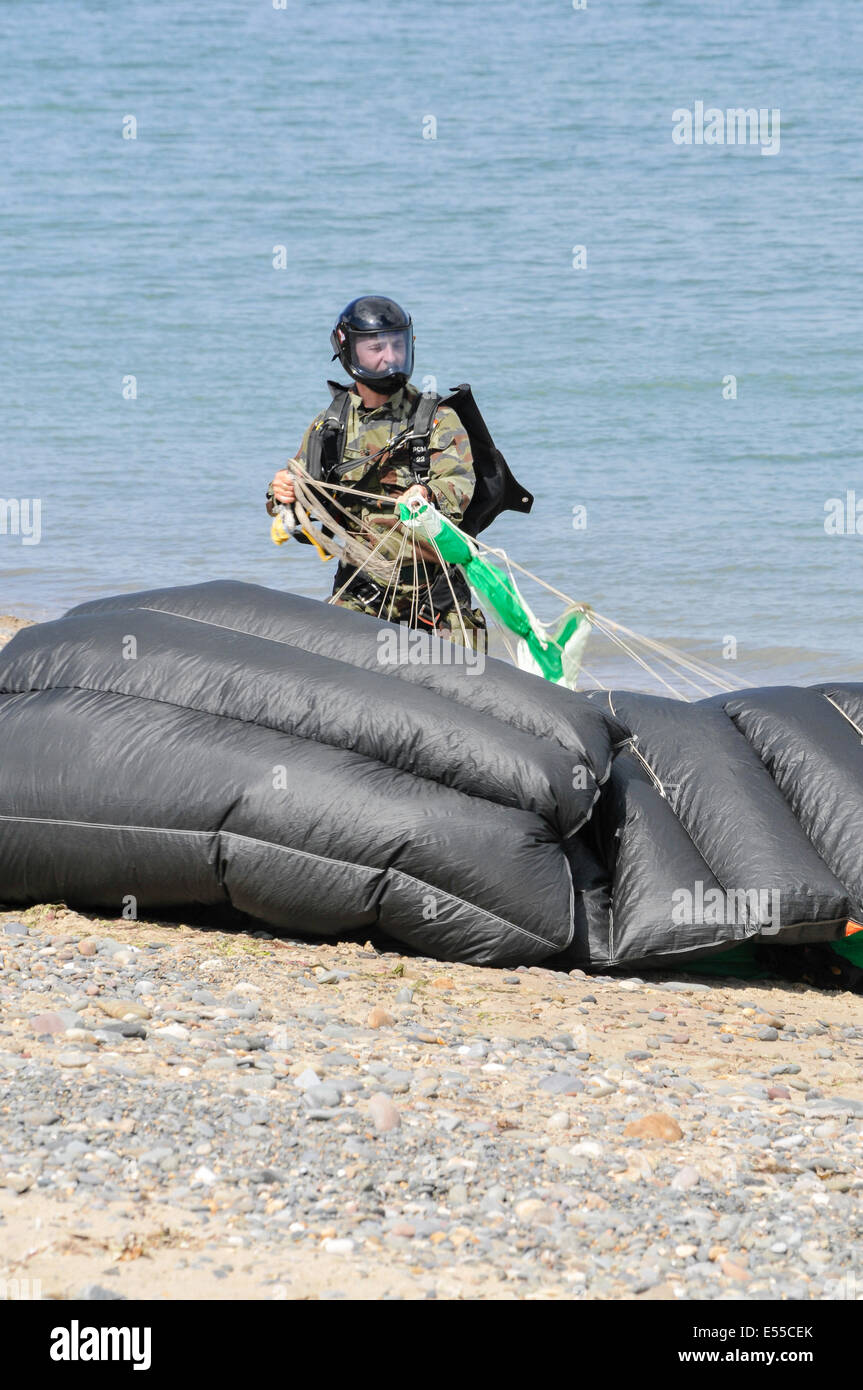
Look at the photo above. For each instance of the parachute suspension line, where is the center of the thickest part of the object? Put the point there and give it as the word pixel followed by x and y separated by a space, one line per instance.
pixel 415 586
pixel 456 604
pixel 608 629
pixel 504 636
pixel 418 560
pixel 360 568
pixel 342 545
pixel 513 564
pixel 681 674
pixel 392 582
pixel 355 549
pixel 633 748
pixel 428 583
pixel 677 662
pixel 841 711
pixel 699 668
pixel 598 683
pixel 307 491
pixel 630 652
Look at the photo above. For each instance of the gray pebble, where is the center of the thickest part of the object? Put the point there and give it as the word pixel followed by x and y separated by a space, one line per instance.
pixel 40 1117
pixel 561 1084
pixel 324 1095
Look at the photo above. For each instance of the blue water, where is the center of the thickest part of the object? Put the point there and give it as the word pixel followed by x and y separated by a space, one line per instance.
pixel 303 127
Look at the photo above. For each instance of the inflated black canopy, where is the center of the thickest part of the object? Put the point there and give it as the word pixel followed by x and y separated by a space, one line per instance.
pixel 228 744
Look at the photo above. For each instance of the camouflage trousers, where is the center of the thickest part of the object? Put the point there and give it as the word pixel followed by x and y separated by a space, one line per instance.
pixel 460 623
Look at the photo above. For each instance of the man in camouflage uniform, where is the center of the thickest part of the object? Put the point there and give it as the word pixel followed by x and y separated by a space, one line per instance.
pixel 374 341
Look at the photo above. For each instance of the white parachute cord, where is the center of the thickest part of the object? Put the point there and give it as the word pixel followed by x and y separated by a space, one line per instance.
pixel 646 765
pixel 700 668
pixel 455 601
pixel 345 488
pixel 841 711
pixel 601 626
pixel 672 658
pixel 415 604
pixel 500 627
pixel 668 657
pixel 640 660
pixel 352 550
pixel 426 581
pixel 394 581
pixel 359 570
pixel 558 593
pixel 393 567
pixel 583 671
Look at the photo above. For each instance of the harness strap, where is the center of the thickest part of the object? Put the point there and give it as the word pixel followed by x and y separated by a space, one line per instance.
pixel 327 440
pixel 439 599
pixel 421 428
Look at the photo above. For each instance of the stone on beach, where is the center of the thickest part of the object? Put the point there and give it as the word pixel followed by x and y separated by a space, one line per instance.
pixel 383 1113
pixel 655 1126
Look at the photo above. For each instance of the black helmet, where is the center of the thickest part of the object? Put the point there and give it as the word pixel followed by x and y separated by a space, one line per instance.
pixel 373 339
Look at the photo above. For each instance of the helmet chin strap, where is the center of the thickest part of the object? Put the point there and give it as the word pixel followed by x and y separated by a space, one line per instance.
pixel 387 386
pixel 390 386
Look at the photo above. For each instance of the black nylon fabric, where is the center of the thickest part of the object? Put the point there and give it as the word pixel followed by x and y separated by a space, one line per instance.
pixel 225 744
pixel 572 720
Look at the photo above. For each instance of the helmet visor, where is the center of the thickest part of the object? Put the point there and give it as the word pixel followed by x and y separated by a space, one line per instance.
pixel 379 356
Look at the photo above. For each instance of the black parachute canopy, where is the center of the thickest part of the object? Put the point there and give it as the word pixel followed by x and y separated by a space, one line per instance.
pixel 226 744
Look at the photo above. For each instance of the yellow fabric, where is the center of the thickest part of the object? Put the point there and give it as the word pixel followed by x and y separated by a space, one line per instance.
pixel 278 534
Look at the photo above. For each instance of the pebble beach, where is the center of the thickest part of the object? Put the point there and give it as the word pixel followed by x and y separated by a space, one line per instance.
pixel 190 1112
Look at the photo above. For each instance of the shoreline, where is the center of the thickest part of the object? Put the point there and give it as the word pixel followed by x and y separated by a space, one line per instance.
pixel 9 625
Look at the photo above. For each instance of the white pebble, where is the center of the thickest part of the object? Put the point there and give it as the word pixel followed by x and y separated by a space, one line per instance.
pixel 336 1246
pixel 587 1148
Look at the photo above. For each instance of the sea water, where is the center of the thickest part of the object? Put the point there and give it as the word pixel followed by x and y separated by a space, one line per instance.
pixel 665 336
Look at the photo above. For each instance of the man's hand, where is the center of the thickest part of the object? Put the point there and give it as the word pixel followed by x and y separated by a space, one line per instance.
pixel 283 488
pixel 415 490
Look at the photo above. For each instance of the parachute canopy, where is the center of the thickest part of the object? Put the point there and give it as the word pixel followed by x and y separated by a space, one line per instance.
pixel 225 744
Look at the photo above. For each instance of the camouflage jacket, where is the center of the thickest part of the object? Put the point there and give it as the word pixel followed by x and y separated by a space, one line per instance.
pixel 375 469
